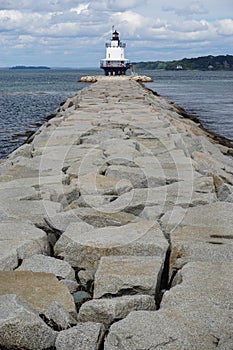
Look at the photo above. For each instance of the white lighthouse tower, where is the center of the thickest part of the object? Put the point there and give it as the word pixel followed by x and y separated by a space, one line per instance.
pixel 115 62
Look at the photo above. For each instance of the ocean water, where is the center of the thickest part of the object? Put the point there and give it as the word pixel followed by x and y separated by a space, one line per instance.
pixel 28 96
pixel 205 94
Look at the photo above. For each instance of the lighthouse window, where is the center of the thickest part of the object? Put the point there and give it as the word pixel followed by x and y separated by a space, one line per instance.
pixel 109 55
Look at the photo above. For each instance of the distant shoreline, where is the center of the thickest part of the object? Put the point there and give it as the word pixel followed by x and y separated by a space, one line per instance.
pixel 29 67
pixel 204 63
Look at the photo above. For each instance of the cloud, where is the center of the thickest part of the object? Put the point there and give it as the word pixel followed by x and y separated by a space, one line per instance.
pixel 80 9
pixel 194 8
pixel 22 22
pixel 37 6
pixel 122 5
pixel 225 27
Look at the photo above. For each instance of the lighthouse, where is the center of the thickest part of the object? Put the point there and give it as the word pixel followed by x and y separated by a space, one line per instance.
pixel 115 62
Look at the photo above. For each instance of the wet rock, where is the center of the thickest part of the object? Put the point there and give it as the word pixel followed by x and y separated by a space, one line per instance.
pixel 81 296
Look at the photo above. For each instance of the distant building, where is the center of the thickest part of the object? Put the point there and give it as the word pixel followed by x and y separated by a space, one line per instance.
pixel 226 64
pixel 115 62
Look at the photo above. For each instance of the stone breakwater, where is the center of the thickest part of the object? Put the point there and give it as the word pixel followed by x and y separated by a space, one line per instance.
pixel 116 228
pixel 95 78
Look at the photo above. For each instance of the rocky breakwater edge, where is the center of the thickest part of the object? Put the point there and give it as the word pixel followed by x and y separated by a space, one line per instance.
pixel 116 228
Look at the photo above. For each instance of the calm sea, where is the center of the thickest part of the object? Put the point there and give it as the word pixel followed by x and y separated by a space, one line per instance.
pixel 28 96
pixel 206 94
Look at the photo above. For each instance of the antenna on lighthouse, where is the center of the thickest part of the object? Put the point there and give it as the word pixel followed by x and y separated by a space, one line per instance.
pixel 112 28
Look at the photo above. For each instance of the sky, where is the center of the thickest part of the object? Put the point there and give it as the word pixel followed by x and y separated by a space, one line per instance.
pixel 71 33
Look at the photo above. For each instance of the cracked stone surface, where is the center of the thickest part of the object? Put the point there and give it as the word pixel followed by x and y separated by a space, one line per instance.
pixel 84 336
pixel 82 245
pixel 133 274
pixel 108 310
pixel 21 327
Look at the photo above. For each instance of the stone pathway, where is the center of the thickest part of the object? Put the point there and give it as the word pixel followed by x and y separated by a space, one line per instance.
pixel 120 196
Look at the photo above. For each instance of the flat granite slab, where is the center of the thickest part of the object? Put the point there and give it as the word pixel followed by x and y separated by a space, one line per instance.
pixel 37 289
pixel 82 245
pixel 117 275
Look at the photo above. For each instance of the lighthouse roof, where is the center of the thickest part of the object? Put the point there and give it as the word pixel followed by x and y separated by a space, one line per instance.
pixel 115 35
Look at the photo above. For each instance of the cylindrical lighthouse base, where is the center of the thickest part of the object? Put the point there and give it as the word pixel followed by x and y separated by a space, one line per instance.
pixel 115 70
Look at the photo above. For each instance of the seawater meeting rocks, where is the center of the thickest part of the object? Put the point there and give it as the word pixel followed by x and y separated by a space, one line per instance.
pixel 116 227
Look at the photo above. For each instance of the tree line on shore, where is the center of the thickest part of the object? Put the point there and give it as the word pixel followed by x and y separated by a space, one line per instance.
pixel 221 62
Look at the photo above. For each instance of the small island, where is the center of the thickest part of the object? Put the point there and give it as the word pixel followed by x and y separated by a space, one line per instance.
pixel 29 67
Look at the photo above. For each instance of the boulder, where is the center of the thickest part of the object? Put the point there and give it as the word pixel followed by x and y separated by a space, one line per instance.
pixel 71 285
pixel 215 214
pixel 42 263
pixel 137 177
pixel 37 289
pixel 20 240
pixel 207 164
pixel 93 184
pixel 84 336
pixel 117 275
pixel 225 193
pixel 180 193
pixel 21 327
pixel 59 316
pixel 33 210
pixel 164 330
pixel 195 314
pixel 201 243
pixel 111 310
pixel 82 245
